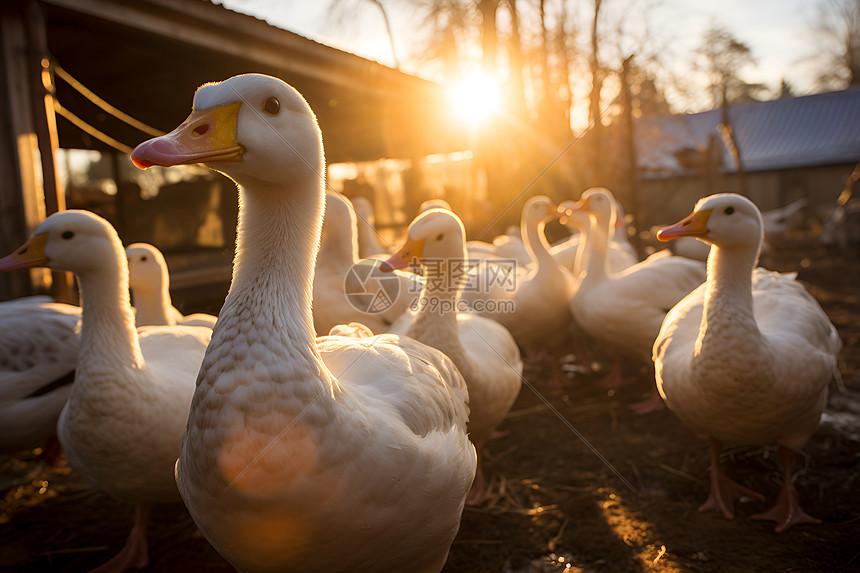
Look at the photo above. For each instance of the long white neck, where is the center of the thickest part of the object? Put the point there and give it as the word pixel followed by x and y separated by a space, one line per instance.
pixel 536 244
pixel 435 323
pixel 581 257
pixel 593 255
pixel 269 303
pixel 339 246
pixel 276 248
pixel 727 318
pixel 109 340
pixel 366 234
pixel 153 305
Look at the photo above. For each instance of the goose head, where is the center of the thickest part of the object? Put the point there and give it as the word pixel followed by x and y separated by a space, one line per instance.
pixel 253 128
pixel 571 216
pixel 539 210
pixel 147 269
pixel 599 203
pixel 434 204
pixel 76 241
pixel 437 234
pixel 726 220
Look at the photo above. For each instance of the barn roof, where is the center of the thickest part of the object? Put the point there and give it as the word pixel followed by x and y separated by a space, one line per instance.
pixel 148 56
pixel 814 130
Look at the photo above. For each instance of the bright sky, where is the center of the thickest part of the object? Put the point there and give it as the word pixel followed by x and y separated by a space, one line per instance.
pixel 778 31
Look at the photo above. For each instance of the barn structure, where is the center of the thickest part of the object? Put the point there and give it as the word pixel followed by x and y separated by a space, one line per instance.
pixel 104 75
pixel 86 80
pixel 801 148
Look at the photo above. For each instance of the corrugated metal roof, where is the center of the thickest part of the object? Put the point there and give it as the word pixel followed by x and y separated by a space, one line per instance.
pixel 822 129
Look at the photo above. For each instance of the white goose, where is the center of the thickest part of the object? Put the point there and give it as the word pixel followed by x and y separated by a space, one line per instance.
pixel 745 359
pixel 122 425
pixel 619 253
pixel 482 349
pixel 38 353
pixel 304 453
pixel 533 303
pixel 149 281
pixel 348 289
pixel 625 310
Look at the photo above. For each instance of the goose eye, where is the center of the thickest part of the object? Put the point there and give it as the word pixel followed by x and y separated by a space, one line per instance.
pixel 272 106
pixel 729 210
pixel 440 236
pixel 67 235
pixel 143 259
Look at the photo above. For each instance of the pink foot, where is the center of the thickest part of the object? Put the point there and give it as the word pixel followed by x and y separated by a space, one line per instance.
pixel 787 511
pixel 135 554
pixel 651 404
pixel 724 491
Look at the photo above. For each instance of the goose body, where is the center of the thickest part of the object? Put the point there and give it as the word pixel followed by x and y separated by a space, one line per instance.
pixel 745 359
pixel 149 280
pixel 122 424
pixel 624 310
pixel 38 353
pixel 338 453
pixel 483 350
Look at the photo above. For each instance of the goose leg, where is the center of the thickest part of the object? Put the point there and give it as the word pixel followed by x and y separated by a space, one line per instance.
pixel 787 511
pixel 651 404
pixel 479 493
pixel 549 360
pixel 615 378
pixel 724 491
pixel 135 553
pixel 52 451
pixel 654 402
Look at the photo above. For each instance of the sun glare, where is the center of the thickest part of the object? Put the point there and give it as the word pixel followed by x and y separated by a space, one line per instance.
pixel 476 98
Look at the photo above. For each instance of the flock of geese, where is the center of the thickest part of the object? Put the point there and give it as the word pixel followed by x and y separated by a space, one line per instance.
pixel 294 452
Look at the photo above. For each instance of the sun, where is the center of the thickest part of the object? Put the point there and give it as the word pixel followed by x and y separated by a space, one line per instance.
pixel 476 98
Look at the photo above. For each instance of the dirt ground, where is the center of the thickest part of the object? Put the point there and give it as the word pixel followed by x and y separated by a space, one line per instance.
pixel 559 505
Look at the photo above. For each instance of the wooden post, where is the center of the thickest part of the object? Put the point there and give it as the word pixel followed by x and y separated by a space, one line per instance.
pixel 45 123
pixel 22 204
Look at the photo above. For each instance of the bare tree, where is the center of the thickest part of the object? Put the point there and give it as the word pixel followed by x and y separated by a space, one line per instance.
pixel 342 12
pixel 722 57
pixel 561 45
pixel 838 36
pixel 596 68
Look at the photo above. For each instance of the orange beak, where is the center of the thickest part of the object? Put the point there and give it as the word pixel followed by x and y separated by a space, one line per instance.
pixel 409 254
pixel 205 136
pixel 30 254
pixel 695 225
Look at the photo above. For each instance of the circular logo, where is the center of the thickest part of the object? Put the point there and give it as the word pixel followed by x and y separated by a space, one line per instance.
pixel 369 289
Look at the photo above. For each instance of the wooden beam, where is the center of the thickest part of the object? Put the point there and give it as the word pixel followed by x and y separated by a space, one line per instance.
pixel 215 28
pixel 22 195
